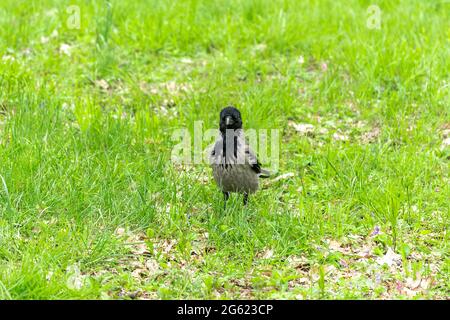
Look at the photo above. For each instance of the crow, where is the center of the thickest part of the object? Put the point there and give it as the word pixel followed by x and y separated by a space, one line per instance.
pixel 234 165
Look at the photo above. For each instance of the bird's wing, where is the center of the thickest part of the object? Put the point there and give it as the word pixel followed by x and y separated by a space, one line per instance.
pixel 215 155
pixel 252 160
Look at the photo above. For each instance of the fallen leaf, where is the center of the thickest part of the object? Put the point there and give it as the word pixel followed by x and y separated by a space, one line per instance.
pixel 267 254
pixel 409 293
pixel 343 263
pixel 364 252
pixel 138 272
pixel 336 246
pixel 186 60
pixel 340 137
pixel 284 176
pixel 152 266
pixel 425 283
pixel 303 280
pixel 49 276
pixel 371 135
pixel 260 47
pixel 64 48
pixel 446 143
pixel 390 258
pixel 102 84
pixel 8 57
pixel 76 279
pixel 303 128
pixel 120 231
pixel 413 284
pixel 139 249
pixel 300 263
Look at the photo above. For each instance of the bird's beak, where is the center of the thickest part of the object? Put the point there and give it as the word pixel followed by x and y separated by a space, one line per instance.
pixel 229 121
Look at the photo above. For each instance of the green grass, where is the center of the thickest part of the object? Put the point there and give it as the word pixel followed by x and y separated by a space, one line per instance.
pixel 92 207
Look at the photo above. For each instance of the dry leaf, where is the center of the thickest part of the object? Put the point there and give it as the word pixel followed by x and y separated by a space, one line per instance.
pixel 152 266
pixel 413 284
pixel 364 252
pixel 102 84
pixel 390 258
pixel 260 47
pixel 138 272
pixel 140 248
pixel 49 276
pixel 425 283
pixel 303 280
pixel 120 231
pixel 284 176
pixel 303 128
pixel 64 48
pixel 8 57
pixel 186 60
pixel 371 136
pixel 343 263
pixel 340 137
pixel 409 293
pixel 76 280
pixel 167 245
pixel 336 246
pixel 267 254
pixel 300 263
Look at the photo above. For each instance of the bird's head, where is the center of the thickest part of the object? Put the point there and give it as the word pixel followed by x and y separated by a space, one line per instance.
pixel 230 118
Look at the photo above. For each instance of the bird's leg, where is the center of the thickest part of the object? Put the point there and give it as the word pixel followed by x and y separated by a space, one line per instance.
pixel 226 195
pixel 245 199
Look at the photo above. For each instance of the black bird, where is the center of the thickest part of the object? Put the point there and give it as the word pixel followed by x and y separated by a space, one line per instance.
pixel 235 166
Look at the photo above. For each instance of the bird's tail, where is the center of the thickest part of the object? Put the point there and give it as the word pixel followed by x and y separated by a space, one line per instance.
pixel 264 174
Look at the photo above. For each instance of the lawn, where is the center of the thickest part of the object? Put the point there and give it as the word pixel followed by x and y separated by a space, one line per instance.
pixel 92 206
